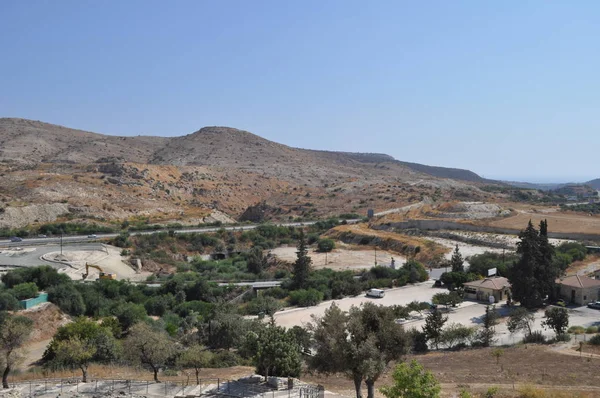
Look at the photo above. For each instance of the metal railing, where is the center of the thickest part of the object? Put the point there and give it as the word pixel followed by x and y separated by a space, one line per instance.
pixel 180 388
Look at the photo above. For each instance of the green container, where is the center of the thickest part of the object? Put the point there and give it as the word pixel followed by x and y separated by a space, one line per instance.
pixel 32 302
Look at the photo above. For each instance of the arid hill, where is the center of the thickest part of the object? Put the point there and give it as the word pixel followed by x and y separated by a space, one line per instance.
pixel 188 177
pixel 594 183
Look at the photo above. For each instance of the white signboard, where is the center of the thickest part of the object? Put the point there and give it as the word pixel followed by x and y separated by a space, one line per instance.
pixel 492 271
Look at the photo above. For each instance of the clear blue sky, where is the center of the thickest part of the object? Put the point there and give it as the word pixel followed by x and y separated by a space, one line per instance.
pixel 508 89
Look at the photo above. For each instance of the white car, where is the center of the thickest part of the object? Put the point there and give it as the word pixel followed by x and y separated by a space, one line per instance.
pixel 92 236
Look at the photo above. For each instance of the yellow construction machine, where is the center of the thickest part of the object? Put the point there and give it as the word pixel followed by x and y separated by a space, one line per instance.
pixel 103 275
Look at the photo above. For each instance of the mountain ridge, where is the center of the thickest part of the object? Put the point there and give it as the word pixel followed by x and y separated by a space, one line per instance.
pixel 29 141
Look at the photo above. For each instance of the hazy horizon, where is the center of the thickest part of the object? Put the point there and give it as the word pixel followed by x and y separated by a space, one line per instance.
pixel 496 88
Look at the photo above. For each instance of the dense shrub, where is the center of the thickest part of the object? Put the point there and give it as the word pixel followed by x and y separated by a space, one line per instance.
pixel 576 330
pixel 225 359
pixel 67 298
pixel 305 298
pixel 591 329
pixel 595 340
pixel 8 302
pixel 536 337
pixel 325 245
pixel 24 291
pixel 480 263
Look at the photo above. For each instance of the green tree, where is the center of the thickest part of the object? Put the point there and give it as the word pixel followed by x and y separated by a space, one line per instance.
pixel 24 291
pixel 256 261
pixel 412 381
pixel 8 302
pixel 456 334
pixel 532 278
pixel 381 340
pixel 418 306
pixel 520 319
pixel 75 353
pixel 557 319
pixel 487 333
pixel 325 245
pixel 457 261
pixel 89 333
pixel 359 344
pixel 129 314
pixel 302 265
pixel 447 299
pixel 434 323
pixel 266 305
pixel 149 347
pixel 416 271
pixel 226 329
pixel 14 333
pixel 67 298
pixel 195 357
pixel 277 353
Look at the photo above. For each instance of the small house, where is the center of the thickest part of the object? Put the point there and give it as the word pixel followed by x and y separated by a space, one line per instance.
pixel 578 289
pixel 481 290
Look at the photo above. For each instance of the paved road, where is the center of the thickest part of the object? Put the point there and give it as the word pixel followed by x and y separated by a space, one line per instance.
pixel 30 256
pixel 402 295
pixel 84 238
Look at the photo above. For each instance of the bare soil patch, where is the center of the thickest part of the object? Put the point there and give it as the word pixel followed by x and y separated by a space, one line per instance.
pixel 346 257
pixel 476 368
pixel 557 222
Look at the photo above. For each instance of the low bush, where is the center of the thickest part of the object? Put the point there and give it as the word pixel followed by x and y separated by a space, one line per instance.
pixel 576 330
pixel 305 298
pixel 225 359
pixel 325 245
pixel 535 338
pixel 591 329
pixel 595 340
pixel 531 392
pixel 564 337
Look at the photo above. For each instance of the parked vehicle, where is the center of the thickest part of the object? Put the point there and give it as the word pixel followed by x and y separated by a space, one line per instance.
pixel 377 293
pixel 42 236
pixel 595 305
pixel 92 236
pixel 16 239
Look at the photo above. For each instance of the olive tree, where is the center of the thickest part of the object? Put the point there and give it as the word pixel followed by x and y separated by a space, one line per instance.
pixel 412 381
pixel 557 319
pixel 149 347
pixel 359 344
pixel 75 353
pixel 14 333
pixel 196 357
pixel 520 320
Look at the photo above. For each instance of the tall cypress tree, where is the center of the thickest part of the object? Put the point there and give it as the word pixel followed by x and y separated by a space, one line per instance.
pixel 548 272
pixel 457 261
pixel 523 278
pixel 533 277
pixel 302 264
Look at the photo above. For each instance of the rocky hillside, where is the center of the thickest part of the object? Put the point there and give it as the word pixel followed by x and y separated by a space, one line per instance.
pixel 594 183
pixel 85 175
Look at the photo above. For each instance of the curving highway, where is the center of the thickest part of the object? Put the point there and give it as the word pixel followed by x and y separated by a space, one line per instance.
pixel 84 238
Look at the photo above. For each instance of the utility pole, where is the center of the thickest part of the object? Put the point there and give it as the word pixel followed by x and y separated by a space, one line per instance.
pixel 61 241
pixel 325 258
pixel 376 256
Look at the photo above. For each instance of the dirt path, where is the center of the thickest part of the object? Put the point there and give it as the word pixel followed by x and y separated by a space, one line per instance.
pixel 35 351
